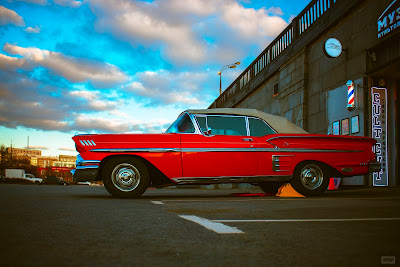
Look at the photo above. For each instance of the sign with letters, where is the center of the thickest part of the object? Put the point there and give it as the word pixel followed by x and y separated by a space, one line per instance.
pixel 379 132
pixel 389 21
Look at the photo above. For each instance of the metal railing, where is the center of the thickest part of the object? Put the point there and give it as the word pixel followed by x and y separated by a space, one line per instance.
pixel 314 10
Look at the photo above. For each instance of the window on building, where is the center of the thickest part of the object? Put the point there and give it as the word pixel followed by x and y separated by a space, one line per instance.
pixel 276 89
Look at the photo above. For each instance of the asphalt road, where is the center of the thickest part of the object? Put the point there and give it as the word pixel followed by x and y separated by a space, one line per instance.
pixel 83 226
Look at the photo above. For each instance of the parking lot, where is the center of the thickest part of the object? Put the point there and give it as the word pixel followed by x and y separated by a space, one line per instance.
pixel 83 225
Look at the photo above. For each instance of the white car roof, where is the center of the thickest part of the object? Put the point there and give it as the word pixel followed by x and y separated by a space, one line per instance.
pixel 280 124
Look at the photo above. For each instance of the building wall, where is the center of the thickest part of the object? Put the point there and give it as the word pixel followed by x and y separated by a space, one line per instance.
pixel 23 151
pixel 357 33
pixel 307 77
pixel 289 102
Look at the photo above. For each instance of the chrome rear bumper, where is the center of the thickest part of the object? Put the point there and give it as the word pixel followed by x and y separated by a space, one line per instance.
pixel 374 166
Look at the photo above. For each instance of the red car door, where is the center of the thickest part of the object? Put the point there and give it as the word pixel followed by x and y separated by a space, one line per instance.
pixel 218 156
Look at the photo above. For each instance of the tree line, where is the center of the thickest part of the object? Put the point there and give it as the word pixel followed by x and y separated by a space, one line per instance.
pixel 9 161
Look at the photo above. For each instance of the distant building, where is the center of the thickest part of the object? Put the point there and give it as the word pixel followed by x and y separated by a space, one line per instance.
pixel 46 161
pixel 19 152
pixel 65 161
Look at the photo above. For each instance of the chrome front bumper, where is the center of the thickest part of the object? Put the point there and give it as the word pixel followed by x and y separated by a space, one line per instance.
pixel 86 170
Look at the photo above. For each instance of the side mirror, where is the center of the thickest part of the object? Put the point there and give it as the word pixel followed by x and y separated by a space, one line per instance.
pixel 208 132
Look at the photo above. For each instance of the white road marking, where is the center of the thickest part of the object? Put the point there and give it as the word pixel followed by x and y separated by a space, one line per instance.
pixel 312 220
pixel 157 202
pixel 275 199
pixel 217 227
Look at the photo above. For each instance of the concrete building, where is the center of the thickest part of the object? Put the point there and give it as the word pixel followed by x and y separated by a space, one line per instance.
pixel 65 161
pixel 333 50
pixel 19 152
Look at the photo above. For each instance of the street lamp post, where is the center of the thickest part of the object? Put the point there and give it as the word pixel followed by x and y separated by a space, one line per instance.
pixel 229 66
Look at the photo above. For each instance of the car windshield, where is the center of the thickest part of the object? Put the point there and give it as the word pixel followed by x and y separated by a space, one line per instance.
pixel 183 124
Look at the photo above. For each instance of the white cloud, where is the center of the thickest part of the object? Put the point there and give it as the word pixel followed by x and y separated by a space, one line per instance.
pixel 275 10
pixel 195 7
pixel 291 18
pixel 87 123
pixel 38 2
pixel 170 88
pixel 35 29
pixel 145 22
pixel 251 23
pixel 66 149
pixel 182 29
pixel 8 16
pixel 12 63
pixel 66 3
pixel 79 70
pixel 93 100
pixel 69 3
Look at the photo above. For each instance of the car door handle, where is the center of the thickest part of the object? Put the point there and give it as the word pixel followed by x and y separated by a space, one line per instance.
pixel 247 139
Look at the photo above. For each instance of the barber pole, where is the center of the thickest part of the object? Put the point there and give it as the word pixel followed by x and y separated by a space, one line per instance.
pixel 350 95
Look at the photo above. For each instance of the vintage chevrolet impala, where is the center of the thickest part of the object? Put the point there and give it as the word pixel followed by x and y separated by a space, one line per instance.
pixel 222 146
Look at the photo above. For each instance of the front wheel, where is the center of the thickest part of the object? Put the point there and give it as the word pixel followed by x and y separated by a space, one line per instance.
pixel 310 179
pixel 126 177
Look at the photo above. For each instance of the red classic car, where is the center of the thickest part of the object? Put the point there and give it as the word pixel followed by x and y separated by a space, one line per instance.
pixel 222 146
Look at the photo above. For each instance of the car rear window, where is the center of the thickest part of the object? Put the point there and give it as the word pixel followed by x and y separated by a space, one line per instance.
pixel 259 127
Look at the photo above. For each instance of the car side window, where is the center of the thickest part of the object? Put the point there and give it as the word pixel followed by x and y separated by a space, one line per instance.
pixel 227 125
pixel 186 125
pixel 202 123
pixel 182 125
pixel 259 127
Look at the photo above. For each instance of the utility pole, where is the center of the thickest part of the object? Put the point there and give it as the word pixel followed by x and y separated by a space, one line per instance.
pixel 11 151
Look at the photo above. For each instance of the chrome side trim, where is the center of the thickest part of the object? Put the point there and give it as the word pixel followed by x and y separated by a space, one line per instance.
pixel 82 164
pixel 229 179
pixel 306 150
pixel 308 136
pixel 87 167
pixel 216 149
pixel 87 143
pixel 276 167
pixel 135 150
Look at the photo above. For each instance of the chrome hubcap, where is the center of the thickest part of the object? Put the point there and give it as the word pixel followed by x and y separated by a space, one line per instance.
pixel 125 177
pixel 311 176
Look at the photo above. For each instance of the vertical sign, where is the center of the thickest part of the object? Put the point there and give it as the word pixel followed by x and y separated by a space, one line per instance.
pixel 379 132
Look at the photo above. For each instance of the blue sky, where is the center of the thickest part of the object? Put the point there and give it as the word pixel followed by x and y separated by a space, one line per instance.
pixel 99 66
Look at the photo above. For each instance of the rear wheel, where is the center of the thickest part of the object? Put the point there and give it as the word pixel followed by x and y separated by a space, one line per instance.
pixel 126 177
pixel 270 187
pixel 310 178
